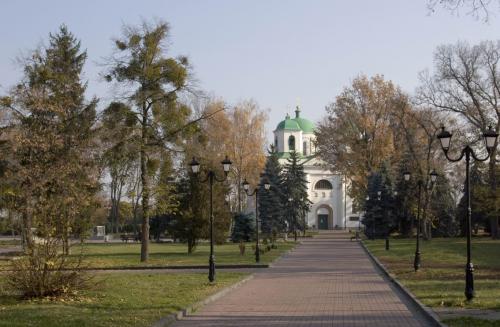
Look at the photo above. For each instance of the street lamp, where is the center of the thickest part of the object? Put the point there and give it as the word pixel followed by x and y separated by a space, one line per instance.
pixel 490 137
pixel 211 178
pixel 246 187
pixel 433 176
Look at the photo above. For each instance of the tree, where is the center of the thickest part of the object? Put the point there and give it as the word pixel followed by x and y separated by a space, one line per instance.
pixel 379 218
pixel 357 136
pixel 54 163
pixel 476 8
pixel 153 83
pixel 443 208
pixel 119 157
pixel 294 185
pixel 246 144
pixel 244 227
pixel 479 198
pixel 465 83
pixel 271 205
pixel 238 132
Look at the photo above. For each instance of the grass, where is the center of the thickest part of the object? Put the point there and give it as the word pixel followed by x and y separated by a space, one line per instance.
pixel 441 278
pixel 124 299
pixel 10 242
pixel 471 322
pixel 166 254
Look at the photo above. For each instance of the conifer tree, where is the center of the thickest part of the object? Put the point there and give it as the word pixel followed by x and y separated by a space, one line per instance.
pixel 295 193
pixel 153 84
pixel 378 219
pixel 53 164
pixel 271 201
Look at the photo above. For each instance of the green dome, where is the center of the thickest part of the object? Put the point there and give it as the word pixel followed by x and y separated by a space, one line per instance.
pixel 296 124
pixel 288 125
pixel 306 126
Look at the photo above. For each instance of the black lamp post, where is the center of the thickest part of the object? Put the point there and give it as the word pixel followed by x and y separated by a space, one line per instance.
pixel 211 178
pixel 246 187
pixel 407 175
pixel 490 137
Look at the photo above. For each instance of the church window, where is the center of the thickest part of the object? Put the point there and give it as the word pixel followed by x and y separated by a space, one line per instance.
pixel 304 148
pixel 291 143
pixel 324 195
pixel 276 142
pixel 323 185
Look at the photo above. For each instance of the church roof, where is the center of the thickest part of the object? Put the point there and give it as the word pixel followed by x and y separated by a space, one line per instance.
pixel 296 124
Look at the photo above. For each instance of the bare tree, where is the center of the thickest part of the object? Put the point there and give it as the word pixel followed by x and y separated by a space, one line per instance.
pixel 480 9
pixel 466 82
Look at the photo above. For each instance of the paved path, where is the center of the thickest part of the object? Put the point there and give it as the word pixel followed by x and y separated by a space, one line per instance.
pixel 326 281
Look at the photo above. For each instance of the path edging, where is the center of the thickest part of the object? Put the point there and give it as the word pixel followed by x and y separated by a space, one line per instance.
pixel 167 320
pixel 424 310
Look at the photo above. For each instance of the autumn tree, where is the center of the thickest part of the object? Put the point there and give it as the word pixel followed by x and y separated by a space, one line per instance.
pixel 465 84
pixel 240 133
pixel 151 83
pixel 357 136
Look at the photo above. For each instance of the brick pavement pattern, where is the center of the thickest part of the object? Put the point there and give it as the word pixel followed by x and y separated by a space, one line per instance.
pixel 325 281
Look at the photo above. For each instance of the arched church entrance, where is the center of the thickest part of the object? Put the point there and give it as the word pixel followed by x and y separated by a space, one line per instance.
pixel 324 216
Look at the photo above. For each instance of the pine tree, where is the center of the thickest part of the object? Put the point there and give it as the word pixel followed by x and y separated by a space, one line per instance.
pixel 154 83
pixel 244 227
pixel 379 208
pixel 271 201
pixel 295 193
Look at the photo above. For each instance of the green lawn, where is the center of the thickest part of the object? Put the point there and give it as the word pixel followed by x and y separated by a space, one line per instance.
pixel 471 322
pixel 125 299
pixel 440 281
pixel 167 254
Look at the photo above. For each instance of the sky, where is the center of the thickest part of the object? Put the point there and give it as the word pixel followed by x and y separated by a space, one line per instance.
pixel 279 53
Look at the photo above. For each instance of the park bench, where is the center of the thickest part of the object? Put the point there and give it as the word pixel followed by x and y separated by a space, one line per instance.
pixel 126 237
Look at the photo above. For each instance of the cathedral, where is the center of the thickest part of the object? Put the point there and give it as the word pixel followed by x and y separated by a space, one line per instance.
pixel 331 206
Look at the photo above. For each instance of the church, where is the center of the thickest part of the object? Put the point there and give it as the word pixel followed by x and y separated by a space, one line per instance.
pixel 331 206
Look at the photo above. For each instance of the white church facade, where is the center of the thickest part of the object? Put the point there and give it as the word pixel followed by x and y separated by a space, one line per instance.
pixel 331 206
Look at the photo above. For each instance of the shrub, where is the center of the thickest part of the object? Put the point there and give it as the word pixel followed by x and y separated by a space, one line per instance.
pixel 242 248
pixel 46 272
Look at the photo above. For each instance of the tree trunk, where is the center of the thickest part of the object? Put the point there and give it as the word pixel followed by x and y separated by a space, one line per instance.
pixel 145 191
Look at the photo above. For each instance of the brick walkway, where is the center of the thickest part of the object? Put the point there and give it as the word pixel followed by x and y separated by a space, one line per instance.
pixel 326 281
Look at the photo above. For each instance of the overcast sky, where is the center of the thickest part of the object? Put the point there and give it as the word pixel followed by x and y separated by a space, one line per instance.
pixel 274 52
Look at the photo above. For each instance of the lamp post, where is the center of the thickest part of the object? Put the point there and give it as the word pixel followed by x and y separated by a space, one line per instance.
pixel 433 176
pixel 490 137
pixel 246 187
pixel 211 178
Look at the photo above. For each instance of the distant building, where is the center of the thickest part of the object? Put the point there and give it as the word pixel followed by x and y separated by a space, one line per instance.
pixel 331 207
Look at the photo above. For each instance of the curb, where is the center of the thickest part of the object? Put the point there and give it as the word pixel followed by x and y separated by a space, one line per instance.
pixel 243 266
pixel 167 320
pixel 430 315
pixel 193 267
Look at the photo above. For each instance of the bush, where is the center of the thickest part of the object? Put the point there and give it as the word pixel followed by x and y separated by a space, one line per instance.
pixel 45 272
pixel 242 248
